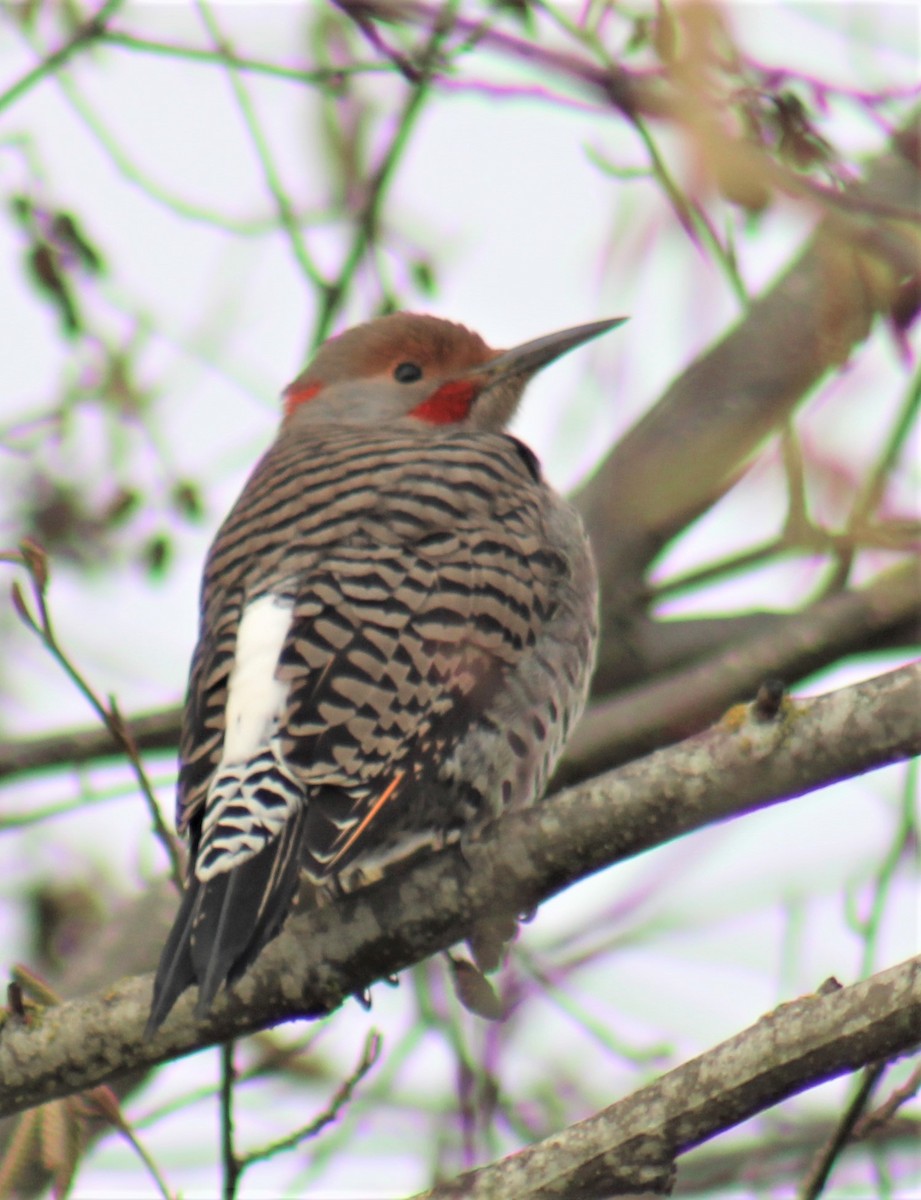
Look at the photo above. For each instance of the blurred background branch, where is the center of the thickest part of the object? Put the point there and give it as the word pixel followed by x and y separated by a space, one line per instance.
pixel 192 200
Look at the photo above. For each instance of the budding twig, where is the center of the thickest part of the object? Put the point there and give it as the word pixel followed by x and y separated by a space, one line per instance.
pixel 35 560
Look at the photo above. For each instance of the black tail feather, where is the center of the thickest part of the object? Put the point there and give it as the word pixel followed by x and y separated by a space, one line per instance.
pixel 175 971
pixel 223 924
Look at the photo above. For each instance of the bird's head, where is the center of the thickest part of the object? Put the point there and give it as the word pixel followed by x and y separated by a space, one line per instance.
pixel 422 368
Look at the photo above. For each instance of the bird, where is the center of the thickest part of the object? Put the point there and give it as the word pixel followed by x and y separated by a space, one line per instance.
pixel 398 623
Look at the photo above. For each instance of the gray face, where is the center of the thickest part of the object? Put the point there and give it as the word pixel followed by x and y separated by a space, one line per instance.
pixel 422 368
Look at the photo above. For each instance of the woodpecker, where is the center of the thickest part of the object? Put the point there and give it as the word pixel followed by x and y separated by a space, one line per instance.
pixel 397 628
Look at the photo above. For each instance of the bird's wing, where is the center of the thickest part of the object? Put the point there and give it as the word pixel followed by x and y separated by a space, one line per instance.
pixel 410 642
pixel 387 651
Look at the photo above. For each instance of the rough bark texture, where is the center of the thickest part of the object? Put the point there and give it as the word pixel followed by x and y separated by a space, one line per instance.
pixel 631 1147
pixel 743 763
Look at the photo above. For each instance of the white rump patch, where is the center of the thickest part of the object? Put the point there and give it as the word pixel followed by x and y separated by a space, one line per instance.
pixel 255 698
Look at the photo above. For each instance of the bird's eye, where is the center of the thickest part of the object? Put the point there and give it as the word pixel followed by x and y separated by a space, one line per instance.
pixel 407 372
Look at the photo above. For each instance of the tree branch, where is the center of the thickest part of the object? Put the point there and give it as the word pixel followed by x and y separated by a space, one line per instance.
pixel 695 439
pixel 789 646
pixel 691 445
pixel 324 956
pixel 631 92
pixel 781 1155
pixel 88 33
pixel 632 1145
pixel 150 731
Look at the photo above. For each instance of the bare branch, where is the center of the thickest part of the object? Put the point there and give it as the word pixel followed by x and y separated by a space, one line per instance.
pixel 632 1145
pixel 35 561
pixel 690 447
pixel 150 731
pixel 781 1155
pixel 824 1161
pixel 759 645
pixel 89 32
pixel 333 952
pixel 787 646
pixel 712 417
pixel 609 84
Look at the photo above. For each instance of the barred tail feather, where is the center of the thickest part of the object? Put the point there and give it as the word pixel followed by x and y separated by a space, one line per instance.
pixel 223 923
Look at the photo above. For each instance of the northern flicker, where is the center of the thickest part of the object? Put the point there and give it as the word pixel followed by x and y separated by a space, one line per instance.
pixel 398 624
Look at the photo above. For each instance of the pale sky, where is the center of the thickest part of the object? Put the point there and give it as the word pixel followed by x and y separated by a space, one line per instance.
pixel 527 235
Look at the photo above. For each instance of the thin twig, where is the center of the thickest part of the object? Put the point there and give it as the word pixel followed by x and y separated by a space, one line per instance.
pixel 880 1116
pixel 871 490
pixel 286 215
pixel 222 56
pixel 370 1054
pixel 102 1102
pixel 817 1176
pixel 35 561
pixel 89 32
pixel 230 1165
pixel 155 191
pixel 906 837
pixel 368 217
pixel 823 1163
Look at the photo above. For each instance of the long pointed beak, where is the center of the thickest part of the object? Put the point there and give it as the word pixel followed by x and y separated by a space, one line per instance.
pixel 531 356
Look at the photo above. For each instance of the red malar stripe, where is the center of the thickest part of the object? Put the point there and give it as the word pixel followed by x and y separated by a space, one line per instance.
pixel 451 403
pixel 300 395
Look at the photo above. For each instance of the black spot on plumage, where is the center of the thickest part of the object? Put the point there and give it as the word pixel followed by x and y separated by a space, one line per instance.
pixel 490 625
pixel 436 540
pixel 270 798
pixel 528 457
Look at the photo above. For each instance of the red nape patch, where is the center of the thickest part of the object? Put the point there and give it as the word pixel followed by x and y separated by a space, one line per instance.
pixel 295 396
pixel 451 403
